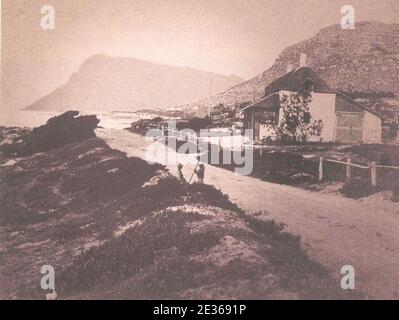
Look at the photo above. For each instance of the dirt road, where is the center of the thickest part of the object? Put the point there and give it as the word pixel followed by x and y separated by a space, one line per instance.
pixel 335 231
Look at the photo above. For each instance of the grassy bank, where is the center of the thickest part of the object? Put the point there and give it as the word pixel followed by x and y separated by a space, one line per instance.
pixel 116 227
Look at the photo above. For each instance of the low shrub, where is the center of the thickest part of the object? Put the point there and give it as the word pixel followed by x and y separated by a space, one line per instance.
pixel 284 250
pixel 136 248
pixel 357 188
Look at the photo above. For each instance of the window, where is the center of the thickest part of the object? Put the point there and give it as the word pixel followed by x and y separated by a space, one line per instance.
pixel 306 117
pixel 267 116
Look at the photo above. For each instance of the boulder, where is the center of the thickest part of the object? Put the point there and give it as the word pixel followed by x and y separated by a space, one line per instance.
pixel 67 128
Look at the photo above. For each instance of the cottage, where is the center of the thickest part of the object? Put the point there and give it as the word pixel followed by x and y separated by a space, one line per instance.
pixel 344 120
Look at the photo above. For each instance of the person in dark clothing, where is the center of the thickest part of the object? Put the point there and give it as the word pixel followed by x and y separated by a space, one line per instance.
pixel 200 173
pixel 180 173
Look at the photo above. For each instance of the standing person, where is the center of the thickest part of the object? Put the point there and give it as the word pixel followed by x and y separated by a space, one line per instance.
pixel 200 173
pixel 180 173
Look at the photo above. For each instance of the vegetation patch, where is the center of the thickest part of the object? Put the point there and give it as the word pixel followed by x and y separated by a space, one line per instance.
pixel 116 227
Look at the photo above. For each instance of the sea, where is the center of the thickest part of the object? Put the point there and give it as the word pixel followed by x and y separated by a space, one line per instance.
pixel 117 120
pixel 109 120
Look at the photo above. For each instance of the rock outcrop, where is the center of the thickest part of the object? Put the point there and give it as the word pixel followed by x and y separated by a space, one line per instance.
pixel 67 128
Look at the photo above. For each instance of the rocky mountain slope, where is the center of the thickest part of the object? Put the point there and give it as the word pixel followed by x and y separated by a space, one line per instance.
pixel 364 59
pixel 108 83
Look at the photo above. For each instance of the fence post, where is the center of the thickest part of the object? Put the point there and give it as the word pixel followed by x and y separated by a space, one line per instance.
pixel 321 169
pixel 348 170
pixel 373 174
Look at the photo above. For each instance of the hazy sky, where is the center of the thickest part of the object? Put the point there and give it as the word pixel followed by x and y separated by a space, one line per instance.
pixel 241 37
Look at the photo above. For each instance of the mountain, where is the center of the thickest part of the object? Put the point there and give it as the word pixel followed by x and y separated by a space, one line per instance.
pixel 106 83
pixel 365 59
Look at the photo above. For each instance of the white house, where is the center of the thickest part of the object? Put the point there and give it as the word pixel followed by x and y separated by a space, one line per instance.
pixel 344 120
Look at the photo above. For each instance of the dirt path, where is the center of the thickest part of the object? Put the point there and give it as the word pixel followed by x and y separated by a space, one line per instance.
pixel 335 231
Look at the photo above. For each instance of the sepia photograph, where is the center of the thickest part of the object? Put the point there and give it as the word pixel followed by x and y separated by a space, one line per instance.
pixel 208 150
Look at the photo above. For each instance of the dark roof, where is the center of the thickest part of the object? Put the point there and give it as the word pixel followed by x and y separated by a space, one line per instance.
pixel 272 101
pixel 294 81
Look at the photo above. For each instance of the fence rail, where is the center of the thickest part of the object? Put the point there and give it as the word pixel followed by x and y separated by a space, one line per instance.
pixel 195 139
pixel 350 163
pixel 373 169
pixel 373 166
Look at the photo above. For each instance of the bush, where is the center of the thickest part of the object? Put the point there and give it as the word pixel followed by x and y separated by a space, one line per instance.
pixel 357 188
pixel 280 167
pixel 96 182
pixel 285 249
pixel 136 248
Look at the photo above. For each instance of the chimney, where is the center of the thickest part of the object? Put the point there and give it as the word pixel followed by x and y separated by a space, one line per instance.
pixel 302 60
pixel 289 68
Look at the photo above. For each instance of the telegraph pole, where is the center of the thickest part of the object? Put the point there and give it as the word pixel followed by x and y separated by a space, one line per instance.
pixel 210 94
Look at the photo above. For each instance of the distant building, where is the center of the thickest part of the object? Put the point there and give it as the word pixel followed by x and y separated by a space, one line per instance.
pixel 344 120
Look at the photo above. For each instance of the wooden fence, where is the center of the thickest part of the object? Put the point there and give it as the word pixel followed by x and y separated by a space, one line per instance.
pixel 195 139
pixel 375 173
pixel 372 168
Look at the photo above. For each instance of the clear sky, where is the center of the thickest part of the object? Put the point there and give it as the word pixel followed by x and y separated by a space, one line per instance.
pixel 241 37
